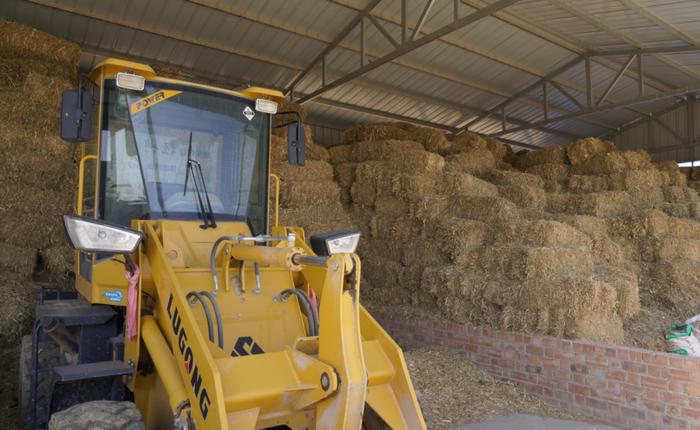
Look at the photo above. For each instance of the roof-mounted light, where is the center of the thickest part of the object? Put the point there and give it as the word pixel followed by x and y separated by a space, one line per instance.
pixel 130 81
pixel 265 106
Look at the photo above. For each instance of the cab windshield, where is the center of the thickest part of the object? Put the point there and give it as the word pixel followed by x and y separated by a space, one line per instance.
pixel 152 139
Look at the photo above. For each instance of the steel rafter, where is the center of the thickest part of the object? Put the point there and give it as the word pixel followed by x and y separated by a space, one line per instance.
pixel 228 9
pixel 559 70
pixel 410 46
pixel 596 109
pixel 660 21
pixel 558 41
pixel 358 19
pixel 569 7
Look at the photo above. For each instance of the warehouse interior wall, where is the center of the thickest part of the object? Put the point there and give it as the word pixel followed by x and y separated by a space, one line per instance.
pixel 672 134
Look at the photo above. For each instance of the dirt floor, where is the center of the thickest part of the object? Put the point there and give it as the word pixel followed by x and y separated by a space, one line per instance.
pixel 452 392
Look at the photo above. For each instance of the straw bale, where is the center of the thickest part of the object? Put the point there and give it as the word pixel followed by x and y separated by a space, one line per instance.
pixel 695 185
pixel 58 259
pixel 18 298
pixel 17 259
pixel 583 149
pixel 398 229
pixel 457 236
pixel 26 43
pixel 655 223
pixel 569 296
pixel 531 200
pixel 483 208
pixel 551 172
pixel 638 159
pixel 376 150
pixel 626 286
pixel 311 170
pixel 676 178
pixel 500 150
pixel 676 281
pixel 557 203
pixel 422 253
pixel 289 106
pixel 392 206
pixel 644 187
pixel 669 166
pixel 474 161
pixel 523 263
pixel 294 194
pixel 597 326
pixel 32 215
pixel 694 209
pixel 552 154
pixel 679 210
pixel 345 174
pixel 413 187
pixel 669 248
pixel 602 164
pixel 419 161
pixel 504 177
pixel 604 204
pixel 35 104
pixel 464 183
pixel 372 179
pixel 606 250
pixel 432 140
pixel 548 263
pixel 341 153
pixel 583 184
pixel 553 234
pixel 678 194
pixel 306 215
pixel 278 148
pixel 467 141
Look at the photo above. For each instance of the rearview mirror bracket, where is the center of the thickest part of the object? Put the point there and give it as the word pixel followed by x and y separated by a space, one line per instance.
pixel 296 140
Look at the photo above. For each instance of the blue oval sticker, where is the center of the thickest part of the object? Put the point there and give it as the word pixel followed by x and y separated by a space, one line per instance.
pixel 114 296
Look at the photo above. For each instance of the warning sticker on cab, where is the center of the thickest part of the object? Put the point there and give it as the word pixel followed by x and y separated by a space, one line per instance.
pixel 152 100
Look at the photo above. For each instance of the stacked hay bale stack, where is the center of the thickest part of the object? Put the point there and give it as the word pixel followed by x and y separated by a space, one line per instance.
pixel 309 197
pixel 37 169
pixel 453 224
pixel 465 233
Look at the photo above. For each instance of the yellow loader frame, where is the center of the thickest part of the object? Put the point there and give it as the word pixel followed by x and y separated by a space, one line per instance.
pixel 269 372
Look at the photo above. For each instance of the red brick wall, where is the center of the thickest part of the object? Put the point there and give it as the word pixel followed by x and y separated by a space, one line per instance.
pixel 627 387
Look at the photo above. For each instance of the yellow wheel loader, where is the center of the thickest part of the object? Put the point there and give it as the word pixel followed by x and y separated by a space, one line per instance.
pixel 192 310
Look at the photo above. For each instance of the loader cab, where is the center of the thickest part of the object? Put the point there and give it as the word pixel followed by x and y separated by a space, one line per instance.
pixel 156 148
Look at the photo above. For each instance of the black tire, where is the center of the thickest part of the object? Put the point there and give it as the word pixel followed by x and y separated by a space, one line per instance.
pixel 48 356
pixel 98 415
pixel 371 420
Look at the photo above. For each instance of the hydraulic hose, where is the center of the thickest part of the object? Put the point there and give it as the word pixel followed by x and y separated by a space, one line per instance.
pixel 309 309
pixel 206 312
pixel 217 314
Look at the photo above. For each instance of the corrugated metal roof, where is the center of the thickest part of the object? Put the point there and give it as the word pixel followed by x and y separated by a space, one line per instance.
pixel 447 82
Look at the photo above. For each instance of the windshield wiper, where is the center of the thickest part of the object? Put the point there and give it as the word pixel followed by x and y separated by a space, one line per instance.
pixel 200 188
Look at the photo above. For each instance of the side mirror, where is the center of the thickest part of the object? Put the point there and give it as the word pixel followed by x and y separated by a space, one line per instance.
pixel 91 235
pixel 76 114
pixel 296 140
pixel 296 144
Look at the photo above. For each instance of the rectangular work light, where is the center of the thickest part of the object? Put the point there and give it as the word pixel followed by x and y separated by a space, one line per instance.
pixel 265 106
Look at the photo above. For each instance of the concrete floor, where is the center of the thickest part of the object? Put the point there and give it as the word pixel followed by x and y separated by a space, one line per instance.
pixel 532 422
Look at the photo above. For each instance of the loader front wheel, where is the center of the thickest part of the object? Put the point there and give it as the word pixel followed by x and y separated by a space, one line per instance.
pixel 98 415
